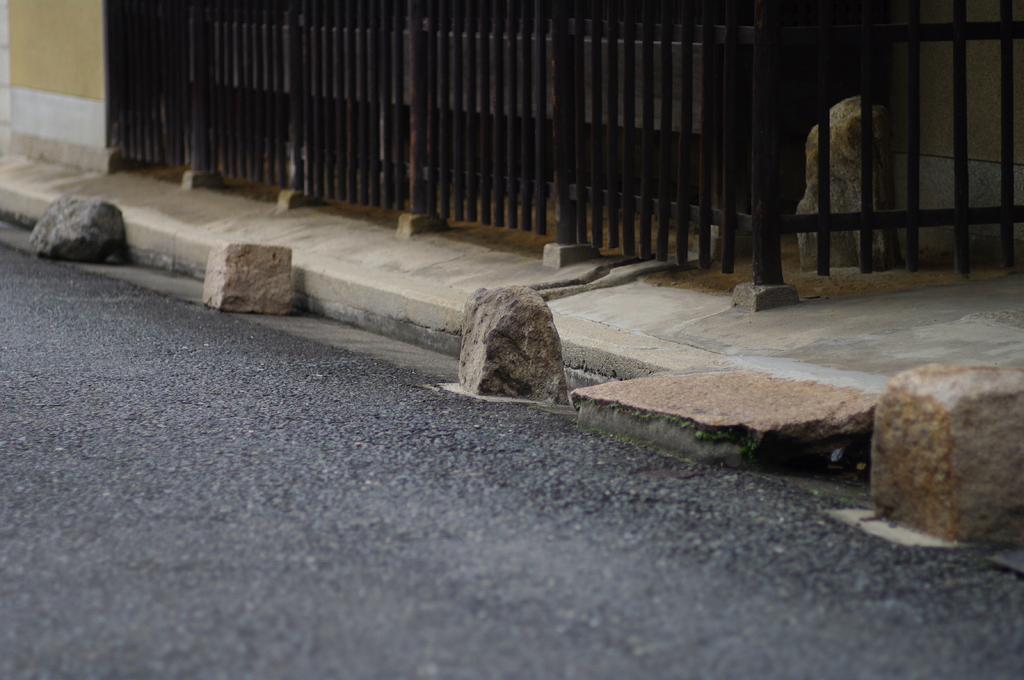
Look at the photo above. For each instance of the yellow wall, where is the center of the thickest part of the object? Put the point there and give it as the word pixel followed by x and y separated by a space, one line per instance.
pixel 57 46
pixel 983 74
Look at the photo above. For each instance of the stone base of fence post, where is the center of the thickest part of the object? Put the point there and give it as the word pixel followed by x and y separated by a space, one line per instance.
pixel 753 298
pixel 410 225
pixel 558 255
pixel 198 179
pixel 289 199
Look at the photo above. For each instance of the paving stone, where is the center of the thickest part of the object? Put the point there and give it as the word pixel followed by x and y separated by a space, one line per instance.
pixel 246 277
pixel 510 346
pixel 948 452
pixel 733 418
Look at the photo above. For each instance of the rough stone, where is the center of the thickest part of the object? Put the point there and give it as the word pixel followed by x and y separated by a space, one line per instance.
pixel 845 187
pixel 244 277
pixel 948 452
pixel 79 229
pixel 510 346
pixel 733 418
pixel 410 225
pixel 753 298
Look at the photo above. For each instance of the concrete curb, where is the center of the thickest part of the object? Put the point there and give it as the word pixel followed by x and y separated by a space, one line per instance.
pixel 398 306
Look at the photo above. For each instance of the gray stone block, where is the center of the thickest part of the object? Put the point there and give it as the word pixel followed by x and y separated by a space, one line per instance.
pixel 753 298
pixel 410 225
pixel 557 255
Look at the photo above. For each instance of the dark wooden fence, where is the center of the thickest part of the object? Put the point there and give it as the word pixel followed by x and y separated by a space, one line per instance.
pixel 621 123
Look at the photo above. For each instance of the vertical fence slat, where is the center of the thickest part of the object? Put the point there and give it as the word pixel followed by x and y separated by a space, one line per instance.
pixel 867 137
pixel 707 134
pixel 1006 136
pixel 373 95
pixel 420 102
pixel 767 260
pixel 444 99
pixel 580 83
pixel 540 69
pixel 961 191
pixel 459 113
pixel 685 132
pixel 629 130
pixel 528 119
pixel 512 120
pixel 564 112
pixel 647 143
pixel 612 159
pixel 729 130
pixel 500 120
pixel 487 112
pixel 665 137
pixel 824 139
pixel 474 108
pixel 913 133
pixel 596 126
pixel 330 137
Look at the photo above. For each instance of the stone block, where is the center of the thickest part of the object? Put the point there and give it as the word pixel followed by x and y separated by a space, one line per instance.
pixel 845 187
pixel 245 277
pixel 410 225
pixel 510 346
pixel 194 179
pixel 948 452
pixel 733 418
pixel 289 199
pixel 557 255
pixel 79 229
pixel 753 298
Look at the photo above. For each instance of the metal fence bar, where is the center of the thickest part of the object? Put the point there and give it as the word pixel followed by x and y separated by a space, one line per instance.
pixel 867 138
pixel 685 130
pixel 647 141
pixel 767 259
pixel 528 119
pixel 824 138
pixel 512 119
pixel 707 134
pixel 729 136
pixel 1007 133
pixel 628 130
pixel 500 116
pixel 961 191
pixel 442 156
pixel 612 159
pixel 540 98
pixel 459 120
pixel 913 133
pixel 597 168
pixel 563 111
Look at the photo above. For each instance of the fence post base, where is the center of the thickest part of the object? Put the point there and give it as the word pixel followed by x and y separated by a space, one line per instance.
pixel 751 297
pixel 289 199
pixel 410 225
pixel 558 255
pixel 197 179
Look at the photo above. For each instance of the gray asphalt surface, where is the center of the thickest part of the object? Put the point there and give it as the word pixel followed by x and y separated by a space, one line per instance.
pixel 186 494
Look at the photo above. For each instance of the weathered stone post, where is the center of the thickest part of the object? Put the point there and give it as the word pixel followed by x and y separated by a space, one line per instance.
pixel 845 187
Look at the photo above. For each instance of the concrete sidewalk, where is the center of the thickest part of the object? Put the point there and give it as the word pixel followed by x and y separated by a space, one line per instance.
pixel 349 266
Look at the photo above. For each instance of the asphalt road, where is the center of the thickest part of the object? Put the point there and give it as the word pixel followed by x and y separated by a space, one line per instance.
pixel 187 494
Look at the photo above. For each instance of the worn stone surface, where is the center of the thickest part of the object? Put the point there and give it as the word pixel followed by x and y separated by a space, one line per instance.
pixel 948 452
pixel 245 277
pixel 845 187
pixel 410 225
pixel 763 417
pixel 558 255
pixel 79 229
pixel 510 346
pixel 753 298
